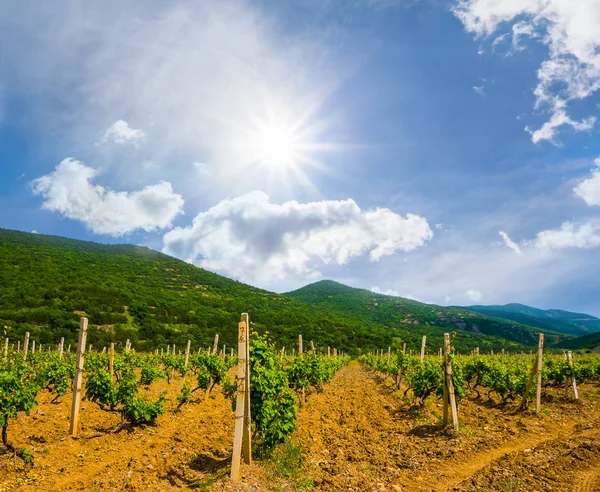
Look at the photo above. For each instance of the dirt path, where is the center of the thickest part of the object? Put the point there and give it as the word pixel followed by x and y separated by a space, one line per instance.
pixel 359 435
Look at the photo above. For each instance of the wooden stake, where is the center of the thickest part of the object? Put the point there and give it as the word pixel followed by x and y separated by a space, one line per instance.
pixel 215 344
pixel 389 352
pixel 247 436
pixel 300 351
pixel 449 384
pixel 6 347
pixel 111 360
pixel 187 353
pixel 328 351
pixel 78 377
pixel 25 346
pixel 18 345
pixel 423 348
pixel 538 390
pixel 33 347
pixel 127 345
pixel 570 359
pixel 240 405
pixel 174 353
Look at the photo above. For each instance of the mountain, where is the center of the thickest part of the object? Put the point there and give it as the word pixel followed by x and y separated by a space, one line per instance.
pixel 576 324
pixel 126 291
pixel 419 318
pixel 588 342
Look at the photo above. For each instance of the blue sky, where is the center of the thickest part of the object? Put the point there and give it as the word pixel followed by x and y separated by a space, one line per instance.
pixel 385 144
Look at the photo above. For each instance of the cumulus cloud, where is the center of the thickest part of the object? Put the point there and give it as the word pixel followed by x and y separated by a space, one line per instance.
pixel 589 189
pixel 69 191
pixel 250 238
pixel 120 132
pixel 569 29
pixel 569 235
pixel 510 243
pixel 473 295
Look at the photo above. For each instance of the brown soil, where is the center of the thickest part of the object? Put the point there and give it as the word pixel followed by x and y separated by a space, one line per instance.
pixel 360 434
pixel 181 450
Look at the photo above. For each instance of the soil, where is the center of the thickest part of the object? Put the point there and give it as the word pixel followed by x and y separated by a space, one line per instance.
pixel 359 434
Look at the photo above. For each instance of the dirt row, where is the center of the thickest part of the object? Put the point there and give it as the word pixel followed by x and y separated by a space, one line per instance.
pixel 359 434
pixel 362 435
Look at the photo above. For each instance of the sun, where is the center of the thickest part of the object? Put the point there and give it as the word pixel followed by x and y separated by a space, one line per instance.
pixel 276 145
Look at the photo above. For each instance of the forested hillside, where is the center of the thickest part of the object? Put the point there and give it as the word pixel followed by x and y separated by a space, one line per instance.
pixel 577 324
pixel 424 318
pixel 133 292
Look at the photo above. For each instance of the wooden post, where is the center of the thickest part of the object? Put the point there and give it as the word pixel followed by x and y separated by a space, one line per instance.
pixel 187 353
pixel 33 347
pixel 335 353
pixel 18 345
pixel 247 436
pixel 78 377
pixel 423 348
pixel 215 344
pixel 389 352
pixel 570 359
pixel 6 347
pixel 111 360
pixel 300 351
pixel 449 385
pixel 404 348
pixel 232 352
pixel 223 351
pixel 25 346
pixel 104 349
pixel 90 347
pixel 328 351
pixel 538 390
pixel 127 345
pixel 525 398
pixel 69 348
pixel 240 406
pixel 174 348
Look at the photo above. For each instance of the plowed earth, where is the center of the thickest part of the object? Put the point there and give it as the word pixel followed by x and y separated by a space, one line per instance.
pixel 359 434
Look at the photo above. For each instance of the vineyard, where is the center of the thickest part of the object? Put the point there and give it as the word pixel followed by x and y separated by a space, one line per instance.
pixel 165 419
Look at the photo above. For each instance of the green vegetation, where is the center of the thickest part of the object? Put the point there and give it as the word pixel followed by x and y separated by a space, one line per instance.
pixel 576 324
pixel 412 319
pixel 589 342
pixel 132 292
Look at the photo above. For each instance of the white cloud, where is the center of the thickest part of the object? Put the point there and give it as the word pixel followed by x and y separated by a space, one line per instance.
pixel 479 89
pixel 510 243
pixel 388 292
pixel 69 191
pixel 251 238
pixel 570 30
pixel 120 132
pixel 589 189
pixel 473 295
pixel 569 235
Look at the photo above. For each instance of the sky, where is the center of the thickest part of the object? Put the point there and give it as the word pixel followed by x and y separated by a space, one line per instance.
pixel 442 150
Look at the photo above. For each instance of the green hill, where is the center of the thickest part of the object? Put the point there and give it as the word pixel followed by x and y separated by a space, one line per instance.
pixel 133 292
pixel 419 318
pixel 588 342
pixel 576 324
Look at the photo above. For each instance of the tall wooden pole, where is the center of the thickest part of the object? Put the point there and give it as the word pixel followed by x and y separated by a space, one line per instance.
pixel 61 347
pixel 111 360
pixel 538 389
pixel 78 377
pixel 423 343
pixel 215 344
pixel 247 436
pixel 25 346
pixel 187 353
pixel 240 405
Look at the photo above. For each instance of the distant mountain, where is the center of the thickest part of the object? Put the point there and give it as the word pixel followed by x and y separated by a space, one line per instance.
pixel 588 342
pixel 576 324
pixel 417 317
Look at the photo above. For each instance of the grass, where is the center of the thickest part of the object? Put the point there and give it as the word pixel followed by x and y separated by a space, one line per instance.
pixel 286 463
